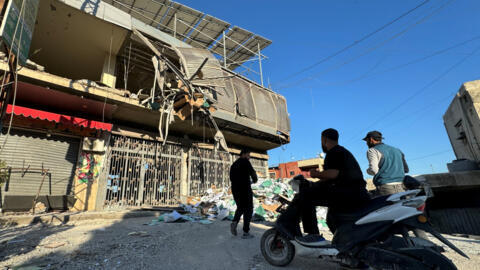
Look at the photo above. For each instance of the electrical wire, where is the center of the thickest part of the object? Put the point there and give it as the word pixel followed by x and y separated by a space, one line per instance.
pixel 355 42
pixel 412 62
pixel 368 51
pixel 431 155
pixel 424 109
pixel 21 16
pixel 421 90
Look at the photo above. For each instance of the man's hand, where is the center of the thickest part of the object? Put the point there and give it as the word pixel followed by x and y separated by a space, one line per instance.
pixel 314 173
pixel 324 175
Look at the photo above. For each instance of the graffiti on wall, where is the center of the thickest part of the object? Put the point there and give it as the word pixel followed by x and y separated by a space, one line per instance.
pixel 89 167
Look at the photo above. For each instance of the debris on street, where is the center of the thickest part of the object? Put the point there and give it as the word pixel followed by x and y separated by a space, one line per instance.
pixel 105 244
pixel 269 196
pixel 54 244
pixel 139 233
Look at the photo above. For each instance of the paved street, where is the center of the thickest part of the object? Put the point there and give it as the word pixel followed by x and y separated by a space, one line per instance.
pixel 106 244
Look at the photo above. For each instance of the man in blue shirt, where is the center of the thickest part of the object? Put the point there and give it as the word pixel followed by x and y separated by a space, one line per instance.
pixel 386 163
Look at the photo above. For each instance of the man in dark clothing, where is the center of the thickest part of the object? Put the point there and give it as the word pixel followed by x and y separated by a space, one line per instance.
pixel 240 173
pixel 341 188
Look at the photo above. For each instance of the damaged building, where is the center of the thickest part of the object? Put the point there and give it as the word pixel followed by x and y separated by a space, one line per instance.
pixel 115 104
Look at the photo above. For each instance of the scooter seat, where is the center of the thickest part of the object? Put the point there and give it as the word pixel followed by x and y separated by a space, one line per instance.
pixel 370 206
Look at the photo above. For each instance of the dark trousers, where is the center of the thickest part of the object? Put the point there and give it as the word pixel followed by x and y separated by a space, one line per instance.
pixel 244 200
pixel 303 206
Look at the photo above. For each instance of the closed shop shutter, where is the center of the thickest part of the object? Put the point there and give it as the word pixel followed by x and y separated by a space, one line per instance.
pixel 29 150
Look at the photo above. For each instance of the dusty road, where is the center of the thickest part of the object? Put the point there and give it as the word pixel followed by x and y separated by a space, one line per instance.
pixel 108 245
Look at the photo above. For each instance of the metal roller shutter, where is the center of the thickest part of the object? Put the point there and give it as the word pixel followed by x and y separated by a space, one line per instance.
pixel 26 149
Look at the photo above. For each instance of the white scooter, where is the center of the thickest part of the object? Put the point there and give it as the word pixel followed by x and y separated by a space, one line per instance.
pixel 376 236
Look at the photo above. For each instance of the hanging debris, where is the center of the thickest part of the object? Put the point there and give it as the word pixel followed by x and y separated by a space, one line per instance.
pixel 183 96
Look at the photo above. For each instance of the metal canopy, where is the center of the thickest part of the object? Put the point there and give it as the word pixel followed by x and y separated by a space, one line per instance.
pixel 147 11
pixel 233 39
pixel 187 19
pixel 209 29
pixel 248 50
pixel 195 28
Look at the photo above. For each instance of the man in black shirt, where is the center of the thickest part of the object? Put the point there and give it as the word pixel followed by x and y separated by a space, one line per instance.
pixel 341 188
pixel 240 173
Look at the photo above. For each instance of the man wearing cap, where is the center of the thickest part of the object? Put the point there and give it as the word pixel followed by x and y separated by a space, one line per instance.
pixel 386 163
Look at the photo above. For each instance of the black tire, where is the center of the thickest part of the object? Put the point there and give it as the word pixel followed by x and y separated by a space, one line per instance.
pixel 283 253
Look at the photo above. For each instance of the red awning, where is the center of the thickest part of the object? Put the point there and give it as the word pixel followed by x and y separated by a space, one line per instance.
pixel 58 118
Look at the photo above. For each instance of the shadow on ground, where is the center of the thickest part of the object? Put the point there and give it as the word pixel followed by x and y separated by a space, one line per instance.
pixel 15 241
pixel 131 243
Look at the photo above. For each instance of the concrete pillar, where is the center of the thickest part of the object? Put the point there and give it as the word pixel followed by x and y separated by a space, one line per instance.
pixel 86 193
pixel 184 192
pixel 91 195
pixel 99 199
pixel 108 72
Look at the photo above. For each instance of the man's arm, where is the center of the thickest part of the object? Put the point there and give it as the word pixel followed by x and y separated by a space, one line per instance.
pixel 373 156
pixel 405 165
pixel 325 175
pixel 252 173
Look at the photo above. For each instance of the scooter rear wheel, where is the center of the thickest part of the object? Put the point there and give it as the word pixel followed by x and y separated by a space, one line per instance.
pixel 276 248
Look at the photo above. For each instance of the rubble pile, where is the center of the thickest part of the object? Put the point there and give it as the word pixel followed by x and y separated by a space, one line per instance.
pixel 218 204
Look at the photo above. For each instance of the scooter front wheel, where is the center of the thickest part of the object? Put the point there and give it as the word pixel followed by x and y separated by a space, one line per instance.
pixel 276 248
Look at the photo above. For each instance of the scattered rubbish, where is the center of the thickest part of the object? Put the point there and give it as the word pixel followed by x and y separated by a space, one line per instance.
pixel 271 207
pixel 54 244
pixel 205 221
pixel 223 214
pixel 40 208
pixel 139 233
pixel 172 217
pixel 218 204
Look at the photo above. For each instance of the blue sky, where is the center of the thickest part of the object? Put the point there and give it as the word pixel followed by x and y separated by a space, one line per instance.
pixel 370 86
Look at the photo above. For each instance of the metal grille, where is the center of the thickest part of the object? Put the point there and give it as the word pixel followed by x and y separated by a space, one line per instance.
pixel 259 165
pixel 208 169
pixel 142 173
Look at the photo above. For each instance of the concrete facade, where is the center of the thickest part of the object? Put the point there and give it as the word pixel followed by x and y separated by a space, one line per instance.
pixel 462 122
pixel 94 65
pixel 290 169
